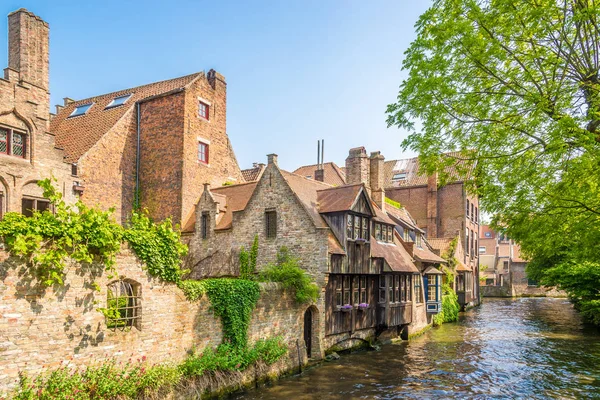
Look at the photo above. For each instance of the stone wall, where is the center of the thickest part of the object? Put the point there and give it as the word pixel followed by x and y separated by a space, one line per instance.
pixel 39 329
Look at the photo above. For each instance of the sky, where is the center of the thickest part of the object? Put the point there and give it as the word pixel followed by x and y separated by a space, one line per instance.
pixel 296 71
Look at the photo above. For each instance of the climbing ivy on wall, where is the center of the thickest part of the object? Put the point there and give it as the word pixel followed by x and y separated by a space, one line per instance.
pixel 84 234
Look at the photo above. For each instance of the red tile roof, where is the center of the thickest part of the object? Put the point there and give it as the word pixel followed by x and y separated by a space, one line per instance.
pixel 76 135
pixel 306 191
pixel 338 198
pixel 416 177
pixel 333 174
pixel 254 173
pixel 230 198
pixel 395 255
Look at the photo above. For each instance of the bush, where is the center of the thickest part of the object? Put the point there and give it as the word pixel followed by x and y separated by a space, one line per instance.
pixel 291 276
pixel 450 306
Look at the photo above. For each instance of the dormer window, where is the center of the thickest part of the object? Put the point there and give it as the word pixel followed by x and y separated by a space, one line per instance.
pixel 81 110
pixel 118 101
pixel 203 110
pixel 400 176
pixel 419 242
pixel 357 227
pixel 384 233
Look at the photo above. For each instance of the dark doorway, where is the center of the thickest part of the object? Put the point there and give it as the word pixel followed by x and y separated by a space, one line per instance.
pixel 308 331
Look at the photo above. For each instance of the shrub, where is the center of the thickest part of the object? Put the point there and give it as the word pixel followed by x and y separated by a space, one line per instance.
pixel 450 306
pixel 291 276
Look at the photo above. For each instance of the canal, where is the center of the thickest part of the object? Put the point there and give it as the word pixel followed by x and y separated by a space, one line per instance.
pixel 507 348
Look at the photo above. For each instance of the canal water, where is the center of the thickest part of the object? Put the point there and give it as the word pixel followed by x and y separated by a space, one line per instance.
pixel 530 348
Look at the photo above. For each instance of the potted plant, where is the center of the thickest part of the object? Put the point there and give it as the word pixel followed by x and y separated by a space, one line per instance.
pixel 346 308
pixel 363 306
pixel 360 241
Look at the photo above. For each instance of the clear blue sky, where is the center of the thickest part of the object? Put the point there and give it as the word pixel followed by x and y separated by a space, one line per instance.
pixel 296 71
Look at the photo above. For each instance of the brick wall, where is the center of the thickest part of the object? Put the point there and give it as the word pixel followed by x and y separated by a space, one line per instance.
pixel 41 328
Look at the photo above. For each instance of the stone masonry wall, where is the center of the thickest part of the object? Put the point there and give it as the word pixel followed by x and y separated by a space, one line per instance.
pixel 39 329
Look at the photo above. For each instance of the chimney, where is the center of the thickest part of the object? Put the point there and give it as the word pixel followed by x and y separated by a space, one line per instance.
pixel 67 101
pixel 207 187
pixel 357 167
pixel 376 163
pixel 432 205
pixel 28 47
pixel 272 159
pixel 216 80
pixel 320 171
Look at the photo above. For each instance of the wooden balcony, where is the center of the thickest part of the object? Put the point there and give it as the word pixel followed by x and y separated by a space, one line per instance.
pixel 394 314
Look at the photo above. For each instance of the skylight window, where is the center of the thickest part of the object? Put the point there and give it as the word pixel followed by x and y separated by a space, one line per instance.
pixel 118 101
pixel 399 176
pixel 81 110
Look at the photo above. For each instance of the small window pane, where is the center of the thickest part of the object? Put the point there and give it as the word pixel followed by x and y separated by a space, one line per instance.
pixel 390 232
pixel 80 110
pixel 356 227
pixel 42 205
pixel 378 231
pixel 203 110
pixel 203 152
pixel 18 144
pixel 3 141
pixel 349 229
pixel 117 101
pixel 27 207
pixel 271 224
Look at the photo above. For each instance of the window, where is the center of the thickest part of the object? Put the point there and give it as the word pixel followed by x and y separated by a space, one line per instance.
pixel 432 288
pixel 271 223
pixel 378 232
pixel 355 290
pixel 481 249
pixel 406 235
pixel 204 227
pixel 118 101
pixel 1 205
pixel 12 142
pixel 505 265
pixel 476 215
pixel 467 243
pixel 123 305
pixel 29 205
pixel 472 212
pixel 384 233
pixel 203 152
pixel 382 288
pixel 346 289
pixel 349 230
pixel 365 228
pixel 81 110
pixel 74 169
pixel 338 292
pixel 418 289
pixel 419 241
pixel 468 206
pixel 401 176
pixel 390 234
pixel 203 110
pixel 363 290
pixel 4 141
pixel 488 234
pixel 356 227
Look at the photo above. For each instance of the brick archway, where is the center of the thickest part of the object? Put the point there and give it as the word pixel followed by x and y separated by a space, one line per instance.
pixel 311 323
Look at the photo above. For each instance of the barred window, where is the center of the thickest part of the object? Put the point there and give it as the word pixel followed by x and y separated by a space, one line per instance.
pixel 123 305
pixel 4 141
pixel 271 223
pixel 12 142
pixel 204 227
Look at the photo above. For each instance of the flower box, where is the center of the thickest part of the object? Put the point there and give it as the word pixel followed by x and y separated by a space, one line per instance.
pixel 360 241
pixel 346 308
pixel 363 306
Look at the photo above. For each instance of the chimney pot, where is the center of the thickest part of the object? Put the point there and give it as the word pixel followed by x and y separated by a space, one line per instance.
pixel 272 159
pixel 206 187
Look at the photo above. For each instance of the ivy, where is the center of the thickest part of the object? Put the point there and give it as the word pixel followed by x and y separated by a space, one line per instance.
pixel 157 245
pixel 450 306
pixel 86 235
pixel 288 272
pixel 248 260
pixel 232 300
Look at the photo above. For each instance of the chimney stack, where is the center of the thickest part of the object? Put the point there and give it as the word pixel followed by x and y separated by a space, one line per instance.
pixel 320 171
pixel 28 48
pixel 357 167
pixel 432 205
pixel 272 159
pixel 377 179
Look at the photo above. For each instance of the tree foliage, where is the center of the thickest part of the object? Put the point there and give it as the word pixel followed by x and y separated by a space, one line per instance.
pixel 514 88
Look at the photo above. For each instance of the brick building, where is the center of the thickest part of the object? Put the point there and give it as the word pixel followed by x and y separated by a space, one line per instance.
pixel 28 150
pixel 442 211
pixel 375 269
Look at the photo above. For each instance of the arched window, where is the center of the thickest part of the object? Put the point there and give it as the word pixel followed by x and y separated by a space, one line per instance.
pixel 123 304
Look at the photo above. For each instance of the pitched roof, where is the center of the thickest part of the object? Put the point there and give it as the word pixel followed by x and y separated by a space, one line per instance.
pixel 76 135
pixel 340 198
pixel 230 198
pixel 426 255
pixel 306 191
pixel 440 244
pixel 402 214
pixel 416 177
pixel 395 255
pixel 484 229
pixel 254 173
pixel 333 174
pixel 382 216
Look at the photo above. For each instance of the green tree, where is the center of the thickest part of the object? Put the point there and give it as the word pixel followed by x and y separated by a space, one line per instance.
pixel 514 89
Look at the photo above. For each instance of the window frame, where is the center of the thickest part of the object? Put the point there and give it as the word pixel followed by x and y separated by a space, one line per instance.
pixel 205 153
pixel 418 289
pixel 134 304
pixel 202 105
pixel 9 142
pixel 35 201
pixel 73 113
pixel 271 224
pixel 112 102
pixel 399 176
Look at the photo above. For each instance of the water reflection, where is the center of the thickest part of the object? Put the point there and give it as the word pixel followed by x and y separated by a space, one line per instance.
pixel 524 348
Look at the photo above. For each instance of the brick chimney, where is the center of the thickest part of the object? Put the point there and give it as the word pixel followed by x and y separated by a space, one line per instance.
pixel 376 165
pixel 357 166
pixel 432 205
pixel 28 52
pixel 272 159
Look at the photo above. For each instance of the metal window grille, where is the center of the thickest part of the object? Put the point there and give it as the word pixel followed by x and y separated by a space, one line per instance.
pixel 4 141
pixel 123 305
pixel 204 227
pixel 271 223
pixel 18 144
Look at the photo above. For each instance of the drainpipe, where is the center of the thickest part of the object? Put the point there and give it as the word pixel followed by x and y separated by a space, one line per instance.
pixel 137 158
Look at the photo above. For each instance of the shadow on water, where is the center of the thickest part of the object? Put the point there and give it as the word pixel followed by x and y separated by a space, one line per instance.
pixel 533 348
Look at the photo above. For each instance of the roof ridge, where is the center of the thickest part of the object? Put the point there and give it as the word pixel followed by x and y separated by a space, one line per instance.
pixel 233 185
pixel 141 86
pixel 340 187
pixel 310 180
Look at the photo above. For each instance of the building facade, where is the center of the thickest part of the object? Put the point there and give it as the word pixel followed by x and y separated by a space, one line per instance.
pixel 28 149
